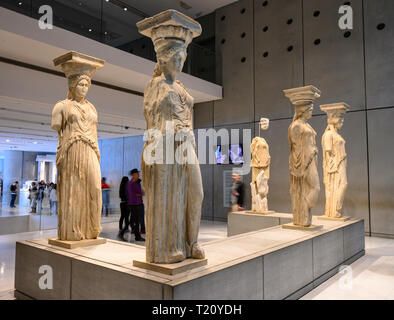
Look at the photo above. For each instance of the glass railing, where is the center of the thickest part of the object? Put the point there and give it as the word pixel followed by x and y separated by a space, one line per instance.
pixel 113 22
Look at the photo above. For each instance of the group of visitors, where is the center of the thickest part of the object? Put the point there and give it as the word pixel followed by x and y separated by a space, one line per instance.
pixel 132 206
pixel 37 195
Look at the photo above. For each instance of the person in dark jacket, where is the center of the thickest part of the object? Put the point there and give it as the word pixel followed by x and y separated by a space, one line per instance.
pixel 237 193
pixel 14 193
pixel 124 210
pixel 134 194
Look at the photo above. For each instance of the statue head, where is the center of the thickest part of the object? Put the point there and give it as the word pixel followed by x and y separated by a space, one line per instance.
pixel 264 123
pixel 303 111
pixel 335 114
pixel 171 33
pixel 78 86
pixel 79 69
pixel 171 58
pixel 302 98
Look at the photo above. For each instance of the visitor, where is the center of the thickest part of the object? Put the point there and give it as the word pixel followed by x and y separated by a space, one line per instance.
pixel 105 189
pixel 14 193
pixel 40 196
pixel 134 201
pixel 50 187
pixel 124 210
pixel 237 193
pixel 1 186
pixel 33 197
pixel 53 199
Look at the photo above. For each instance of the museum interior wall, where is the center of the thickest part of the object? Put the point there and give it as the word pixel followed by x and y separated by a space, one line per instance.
pixel 263 47
pixel 118 157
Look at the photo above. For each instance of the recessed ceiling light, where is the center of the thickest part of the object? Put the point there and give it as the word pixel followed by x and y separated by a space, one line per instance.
pixel 90 30
pixel 8 140
pixel 125 9
pixel 20 3
pixel 35 142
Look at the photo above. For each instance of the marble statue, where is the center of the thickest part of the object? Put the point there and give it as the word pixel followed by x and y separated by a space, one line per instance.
pixel 260 164
pixel 304 178
pixel 174 192
pixel 77 156
pixel 334 159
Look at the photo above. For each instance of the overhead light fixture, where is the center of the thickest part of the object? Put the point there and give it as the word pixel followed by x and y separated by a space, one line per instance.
pixel 20 3
pixel 35 142
pixel 125 9
pixel 90 30
pixel 8 140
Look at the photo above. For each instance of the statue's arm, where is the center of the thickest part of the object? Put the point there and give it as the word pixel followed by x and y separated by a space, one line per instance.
pixel 297 163
pixel 328 148
pixel 57 117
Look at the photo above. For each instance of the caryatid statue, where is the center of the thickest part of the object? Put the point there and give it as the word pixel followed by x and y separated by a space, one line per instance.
pixel 334 159
pixel 78 156
pixel 173 190
pixel 304 178
pixel 260 164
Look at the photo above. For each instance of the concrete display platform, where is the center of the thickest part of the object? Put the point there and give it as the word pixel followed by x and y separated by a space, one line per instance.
pixel 273 263
pixel 312 227
pixel 245 221
pixel 173 268
pixel 76 244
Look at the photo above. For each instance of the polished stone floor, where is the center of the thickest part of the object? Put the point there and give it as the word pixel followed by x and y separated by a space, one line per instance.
pixel 371 277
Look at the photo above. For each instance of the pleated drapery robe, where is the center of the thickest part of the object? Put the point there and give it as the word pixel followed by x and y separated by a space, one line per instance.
pixel 173 190
pixel 334 167
pixel 304 177
pixel 78 165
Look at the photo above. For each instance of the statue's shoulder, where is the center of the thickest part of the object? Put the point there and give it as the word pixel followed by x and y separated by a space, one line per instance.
pixel 155 82
pixel 61 105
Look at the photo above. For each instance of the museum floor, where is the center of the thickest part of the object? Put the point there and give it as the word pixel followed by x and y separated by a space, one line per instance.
pixel 372 274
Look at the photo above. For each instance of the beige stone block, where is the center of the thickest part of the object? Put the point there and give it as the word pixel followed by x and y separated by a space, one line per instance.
pixel 295 227
pixel 173 268
pixel 76 244
pixel 343 219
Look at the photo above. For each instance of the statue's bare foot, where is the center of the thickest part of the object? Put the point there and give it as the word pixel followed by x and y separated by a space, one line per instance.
pixel 197 252
pixel 176 257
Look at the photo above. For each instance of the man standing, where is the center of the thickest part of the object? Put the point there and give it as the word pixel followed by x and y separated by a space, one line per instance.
pixel 14 193
pixel 237 193
pixel 134 195
pixel 40 195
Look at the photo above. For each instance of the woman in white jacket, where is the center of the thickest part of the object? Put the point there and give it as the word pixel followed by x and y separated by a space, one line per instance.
pixel 53 199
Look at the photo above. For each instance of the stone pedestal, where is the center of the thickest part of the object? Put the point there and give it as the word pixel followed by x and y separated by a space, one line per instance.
pixel 76 244
pixel 260 212
pixel 269 264
pixel 173 268
pixel 296 227
pixel 247 221
pixel 344 218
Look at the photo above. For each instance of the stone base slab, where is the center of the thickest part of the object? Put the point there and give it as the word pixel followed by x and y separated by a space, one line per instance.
pixel 76 244
pixel 260 212
pixel 344 218
pixel 268 264
pixel 247 221
pixel 173 268
pixel 312 227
